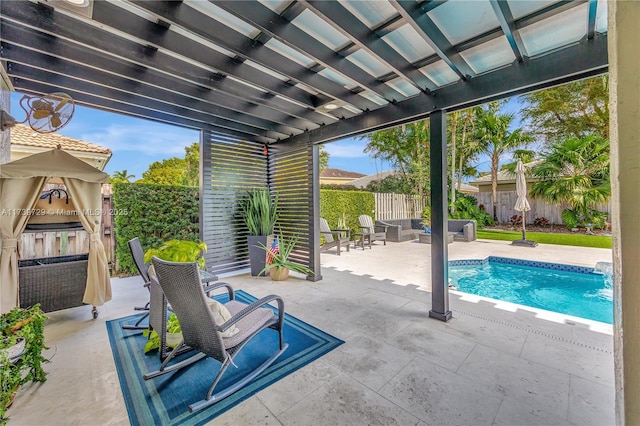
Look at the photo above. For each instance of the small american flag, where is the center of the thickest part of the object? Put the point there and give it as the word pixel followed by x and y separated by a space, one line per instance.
pixel 273 251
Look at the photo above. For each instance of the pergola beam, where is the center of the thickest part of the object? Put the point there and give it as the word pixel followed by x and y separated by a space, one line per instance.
pixel 507 23
pixel 581 60
pixel 336 15
pixel 198 23
pixel 28 64
pixel 200 119
pixel 94 101
pixel 593 13
pixel 281 29
pixel 58 27
pixel 428 30
pixel 24 45
pixel 159 36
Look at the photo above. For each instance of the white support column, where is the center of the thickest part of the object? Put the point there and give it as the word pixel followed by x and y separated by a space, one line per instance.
pixel 624 61
pixel 5 104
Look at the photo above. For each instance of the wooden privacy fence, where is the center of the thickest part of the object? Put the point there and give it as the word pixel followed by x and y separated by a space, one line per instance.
pixel 539 208
pixel 399 206
pixel 60 243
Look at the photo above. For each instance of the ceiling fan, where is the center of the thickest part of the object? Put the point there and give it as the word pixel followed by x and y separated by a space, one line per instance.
pixel 45 114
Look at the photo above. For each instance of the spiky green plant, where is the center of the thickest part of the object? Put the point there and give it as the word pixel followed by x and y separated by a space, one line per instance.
pixel 259 211
pixel 281 258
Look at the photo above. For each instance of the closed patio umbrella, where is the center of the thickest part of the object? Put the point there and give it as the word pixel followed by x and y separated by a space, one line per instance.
pixel 522 204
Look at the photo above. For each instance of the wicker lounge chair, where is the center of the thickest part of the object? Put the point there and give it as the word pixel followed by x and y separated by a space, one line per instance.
pixel 143 269
pixel 181 284
pixel 333 237
pixel 373 232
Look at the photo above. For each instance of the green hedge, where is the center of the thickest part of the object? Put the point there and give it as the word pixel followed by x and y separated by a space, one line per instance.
pixel 153 213
pixel 157 213
pixel 334 203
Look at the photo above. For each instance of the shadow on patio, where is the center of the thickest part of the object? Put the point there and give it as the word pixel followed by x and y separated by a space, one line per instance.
pixel 485 366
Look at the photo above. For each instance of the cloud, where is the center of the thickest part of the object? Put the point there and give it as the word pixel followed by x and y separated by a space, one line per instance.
pixel 346 149
pixel 149 139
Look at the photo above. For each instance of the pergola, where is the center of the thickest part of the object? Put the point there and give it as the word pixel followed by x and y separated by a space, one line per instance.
pixel 267 81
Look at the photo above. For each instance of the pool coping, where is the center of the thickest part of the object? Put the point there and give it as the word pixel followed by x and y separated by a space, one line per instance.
pixel 524 262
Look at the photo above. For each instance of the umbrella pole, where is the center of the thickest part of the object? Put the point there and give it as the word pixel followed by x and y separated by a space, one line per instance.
pixel 524 219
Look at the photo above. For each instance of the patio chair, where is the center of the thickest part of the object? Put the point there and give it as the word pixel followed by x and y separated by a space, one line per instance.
pixel 143 269
pixel 333 237
pixel 181 285
pixel 373 232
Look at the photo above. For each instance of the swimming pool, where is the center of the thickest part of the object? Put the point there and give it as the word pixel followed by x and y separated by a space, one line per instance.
pixel 572 290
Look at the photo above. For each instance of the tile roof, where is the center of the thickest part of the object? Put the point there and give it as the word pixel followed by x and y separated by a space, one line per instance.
pixel 337 173
pixel 365 180
pixel 505 176
pixel 24 135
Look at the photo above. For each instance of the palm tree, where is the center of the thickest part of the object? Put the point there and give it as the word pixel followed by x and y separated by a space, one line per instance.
pixel 462 152
pixel 575 171
pixel 121 177
pixel 492 130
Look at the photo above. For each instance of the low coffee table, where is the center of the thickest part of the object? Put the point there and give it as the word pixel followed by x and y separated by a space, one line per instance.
pixel 424 238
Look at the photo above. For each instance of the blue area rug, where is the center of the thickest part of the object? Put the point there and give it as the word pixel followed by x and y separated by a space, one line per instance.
pixel 164 400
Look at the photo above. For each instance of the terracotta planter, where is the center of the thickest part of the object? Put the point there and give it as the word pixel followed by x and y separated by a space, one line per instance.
pixel 13 397
pixel 279 274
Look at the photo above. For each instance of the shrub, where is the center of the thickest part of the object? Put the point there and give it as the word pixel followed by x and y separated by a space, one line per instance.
pixel 516 220
pixel 597 219
pixel 541 221
pixel 155 214
pixel 346 205
pixel 570 218
pixel 467 208
pixel 337 187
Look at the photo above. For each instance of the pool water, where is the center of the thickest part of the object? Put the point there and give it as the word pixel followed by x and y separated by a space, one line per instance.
pixel 554 287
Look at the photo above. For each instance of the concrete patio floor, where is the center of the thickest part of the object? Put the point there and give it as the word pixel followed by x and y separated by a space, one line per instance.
pixel 491 364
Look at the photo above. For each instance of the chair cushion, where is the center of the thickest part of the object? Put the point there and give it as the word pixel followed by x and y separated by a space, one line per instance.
pixel 247 325
pixel 221 315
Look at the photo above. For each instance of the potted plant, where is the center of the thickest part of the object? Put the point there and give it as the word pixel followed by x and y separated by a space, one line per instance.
pixel 278 263
pixel 259 211
pixel 179 251
pixel 174 335
pixel 20 326
pixel 426 220
pixel 173 251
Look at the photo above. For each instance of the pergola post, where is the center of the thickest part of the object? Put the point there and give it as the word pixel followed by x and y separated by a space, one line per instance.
pixel 439 255
pixel 314 228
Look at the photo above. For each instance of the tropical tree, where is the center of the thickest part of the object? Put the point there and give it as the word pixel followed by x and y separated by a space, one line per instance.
pixel 573 110
pixel 324 158
pixel 176 171
pixel 492 130
pixel 461 125
pixel 575 171
pixel 389 184
pixel 406 148
pixel 525 155
pixel 121 177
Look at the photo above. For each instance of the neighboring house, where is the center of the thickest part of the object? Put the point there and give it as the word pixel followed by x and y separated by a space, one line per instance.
pixel 363 181
pixel 25 141
pixel 366 180
pixel 331 176
pixel 506 179
pixel 507 196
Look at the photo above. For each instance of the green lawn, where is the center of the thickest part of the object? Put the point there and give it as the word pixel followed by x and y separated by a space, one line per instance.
pixel 548 238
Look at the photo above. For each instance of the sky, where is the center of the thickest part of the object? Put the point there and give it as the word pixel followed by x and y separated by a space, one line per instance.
pixel 136 143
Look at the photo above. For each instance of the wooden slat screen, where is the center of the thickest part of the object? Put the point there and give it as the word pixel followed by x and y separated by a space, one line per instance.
pixel 229 168
pixel 290 175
